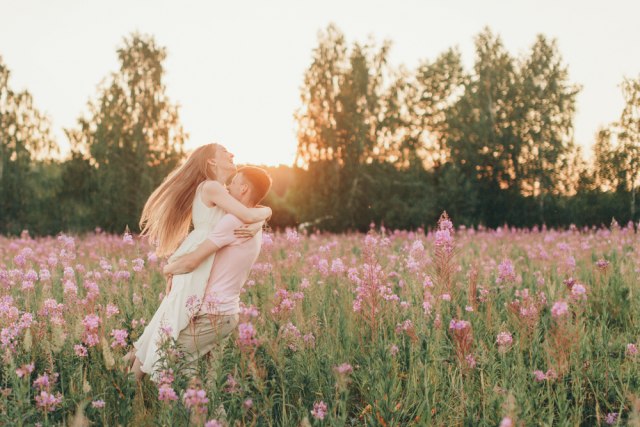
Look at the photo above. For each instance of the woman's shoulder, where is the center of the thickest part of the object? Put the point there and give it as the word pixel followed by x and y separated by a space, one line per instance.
pixel 211 186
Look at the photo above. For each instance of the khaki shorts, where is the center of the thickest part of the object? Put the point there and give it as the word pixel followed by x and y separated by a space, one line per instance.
pixel 203 334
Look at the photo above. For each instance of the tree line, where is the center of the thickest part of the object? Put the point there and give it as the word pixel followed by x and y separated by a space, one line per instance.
pixel 376 143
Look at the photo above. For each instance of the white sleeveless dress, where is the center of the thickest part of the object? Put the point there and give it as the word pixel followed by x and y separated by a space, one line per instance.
pixel 173 314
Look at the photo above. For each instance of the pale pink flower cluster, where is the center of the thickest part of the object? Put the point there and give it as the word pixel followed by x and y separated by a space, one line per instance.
pixel 406 326
pixel 46 400
pixel 99 404
pixel 394 350
pixel 231 386
pixel 319 410
pixel 290 335
pixel 459 324
pixel 506 422
pixel 138 264
pixel 247 340
pixel 25 370
pixel 80 350
pixel 504 341
pixel 632 350
pixel 611 418
pixel 112 310
pixel 166 393
pixel 337 266
pixel 286 301
pixel 578 292
pixel 91 322
pixel 119 338
pixel 559 309
pixel 196 400
pixel 343 369
pixel 53 310
pixel 506 272
pixel 542 376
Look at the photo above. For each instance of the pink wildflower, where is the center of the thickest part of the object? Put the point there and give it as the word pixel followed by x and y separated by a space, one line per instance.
pixel 506 422
pixel 504 339
pixel 24 370
pixel 539 376
pixel 119 338
pixel 319 410
pixel 195 399
pixel 344 369
pixel 80 350
pixel 98 404
pixel 166 393
pixel 559 309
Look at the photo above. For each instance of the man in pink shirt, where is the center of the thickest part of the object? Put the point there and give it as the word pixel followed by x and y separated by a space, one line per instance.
pixel 218 313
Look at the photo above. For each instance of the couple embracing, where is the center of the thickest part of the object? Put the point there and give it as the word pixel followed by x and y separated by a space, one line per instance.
pixel 207 266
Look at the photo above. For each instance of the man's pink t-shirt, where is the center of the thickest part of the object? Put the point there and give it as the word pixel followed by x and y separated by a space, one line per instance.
pixel 231 267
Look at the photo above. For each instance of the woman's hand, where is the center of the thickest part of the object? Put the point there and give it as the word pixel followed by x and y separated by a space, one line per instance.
pixel 248 230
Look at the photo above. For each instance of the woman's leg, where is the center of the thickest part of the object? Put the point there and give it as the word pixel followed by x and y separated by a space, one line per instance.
pixel 137 369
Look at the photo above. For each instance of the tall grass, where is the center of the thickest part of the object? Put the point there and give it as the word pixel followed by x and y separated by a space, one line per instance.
pixel 392 328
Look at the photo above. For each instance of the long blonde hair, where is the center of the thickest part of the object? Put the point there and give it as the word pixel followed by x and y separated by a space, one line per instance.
pixel 166 216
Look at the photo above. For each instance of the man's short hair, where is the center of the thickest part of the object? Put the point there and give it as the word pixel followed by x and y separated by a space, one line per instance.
pixel 259 181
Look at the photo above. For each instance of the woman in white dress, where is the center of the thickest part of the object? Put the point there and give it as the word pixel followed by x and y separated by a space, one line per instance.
pixel 194 192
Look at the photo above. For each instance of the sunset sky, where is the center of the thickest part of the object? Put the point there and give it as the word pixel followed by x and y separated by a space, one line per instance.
pixel 235 68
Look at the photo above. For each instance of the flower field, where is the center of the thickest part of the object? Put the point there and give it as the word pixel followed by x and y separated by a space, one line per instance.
pixel 447 327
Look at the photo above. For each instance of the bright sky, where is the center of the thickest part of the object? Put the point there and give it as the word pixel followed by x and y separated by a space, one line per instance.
pixel 235 67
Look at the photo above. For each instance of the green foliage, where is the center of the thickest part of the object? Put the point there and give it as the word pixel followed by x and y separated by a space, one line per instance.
pixel 25 141
pixel 131 139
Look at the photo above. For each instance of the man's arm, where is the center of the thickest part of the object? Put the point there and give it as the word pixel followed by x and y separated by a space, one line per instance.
pixel 188 262
pixel 221 236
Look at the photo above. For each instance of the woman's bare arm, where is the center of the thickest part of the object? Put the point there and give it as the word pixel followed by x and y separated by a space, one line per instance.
pixel 215 193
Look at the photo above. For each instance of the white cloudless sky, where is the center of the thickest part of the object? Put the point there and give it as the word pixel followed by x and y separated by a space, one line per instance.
pixel 236 67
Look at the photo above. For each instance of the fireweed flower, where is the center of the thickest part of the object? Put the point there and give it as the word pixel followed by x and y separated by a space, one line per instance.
pixel 166 393
pixel 539 376
pixel 559 309
pixel 578 292
pixel 458 324
pixel 195 399
pixel 138 264
pixel 213 423
pixel 80 350
pixel 112 310
pixel 248 404
pixel 504 341
pixel 231 385
pixel 602 264
pixel 394 350
pixel 611 418
pixel 246 336
pixel 632 350
pixel 127 238
pixel 24 370
pixel 471 361
pixel 506 272
pixel 319 410
pixel 506 422
pixel 98 404
pixel 343 369
pixel 47 401
pixel 119 338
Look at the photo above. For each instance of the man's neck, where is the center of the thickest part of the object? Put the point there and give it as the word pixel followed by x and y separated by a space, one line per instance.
pixel 245 201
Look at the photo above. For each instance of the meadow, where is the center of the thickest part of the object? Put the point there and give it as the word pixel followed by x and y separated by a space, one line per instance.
pixel 449 326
